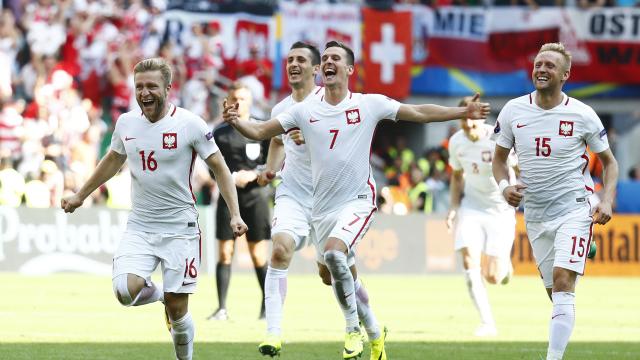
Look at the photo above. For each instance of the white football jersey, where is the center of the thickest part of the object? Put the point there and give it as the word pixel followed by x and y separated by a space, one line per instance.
pixel 296 169
pixel 551 148
pixel 474 158
pixel 160 157
pixel 339 140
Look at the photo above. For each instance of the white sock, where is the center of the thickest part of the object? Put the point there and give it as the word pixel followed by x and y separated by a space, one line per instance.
pixel 365 314
pixel 149 294
pixel 183 332
pixel 478 294
pixel 563 319
pixel 275 291
pixel 343 287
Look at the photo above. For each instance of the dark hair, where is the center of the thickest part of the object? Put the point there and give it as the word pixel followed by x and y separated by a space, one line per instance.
pixel 315 54
pixel 333 43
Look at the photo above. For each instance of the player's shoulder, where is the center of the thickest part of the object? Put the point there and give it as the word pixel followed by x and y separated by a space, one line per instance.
pixel 185 115
pixel 579 107
pixel 282 105
pixel 126 118
pixel 222 128
pixel 457 138
pixel 519 102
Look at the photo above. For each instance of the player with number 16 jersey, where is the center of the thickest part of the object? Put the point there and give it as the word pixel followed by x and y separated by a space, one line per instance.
pixel 161 157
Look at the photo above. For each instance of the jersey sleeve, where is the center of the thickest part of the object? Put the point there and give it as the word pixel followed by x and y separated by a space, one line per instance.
pixel 595 135
pixel 116 140
pixel 277 109
pixel 289 118
pixel 383 107
pixel 202 139
pixel 503 128
pixel 454 161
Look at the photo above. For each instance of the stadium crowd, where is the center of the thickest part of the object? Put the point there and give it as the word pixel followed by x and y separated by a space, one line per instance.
pixel 65 77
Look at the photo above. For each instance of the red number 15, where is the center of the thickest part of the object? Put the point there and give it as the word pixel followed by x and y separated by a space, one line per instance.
pixel 543 147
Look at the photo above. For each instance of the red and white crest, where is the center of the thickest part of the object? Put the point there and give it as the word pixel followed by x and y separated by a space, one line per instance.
pixel 486 156
pixel 566 128
pixel 353 116
pixel 169 140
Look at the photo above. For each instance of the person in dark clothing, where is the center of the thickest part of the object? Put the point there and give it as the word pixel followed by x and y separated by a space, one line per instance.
pixel 243 157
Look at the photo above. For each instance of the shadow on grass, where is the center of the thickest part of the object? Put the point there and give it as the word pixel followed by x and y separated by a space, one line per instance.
pixel 316 351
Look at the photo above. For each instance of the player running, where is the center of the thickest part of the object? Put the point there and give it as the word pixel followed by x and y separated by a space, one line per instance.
pixel 338 128
pixel 550 132
pixel 294 199
pixel 483 221
pixel 160 145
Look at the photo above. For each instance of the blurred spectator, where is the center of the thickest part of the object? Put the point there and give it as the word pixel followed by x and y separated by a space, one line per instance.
pixel 259 66
pixel 11 182
pixel 11 128
pixel 634 173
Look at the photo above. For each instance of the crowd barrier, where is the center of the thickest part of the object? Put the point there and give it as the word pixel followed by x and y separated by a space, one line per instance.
pixel 43 241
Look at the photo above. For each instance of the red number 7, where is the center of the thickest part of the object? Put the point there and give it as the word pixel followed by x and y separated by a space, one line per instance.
pixel 335 135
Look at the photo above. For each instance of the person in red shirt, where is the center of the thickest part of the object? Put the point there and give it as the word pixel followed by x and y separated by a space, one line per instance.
pixel 259 66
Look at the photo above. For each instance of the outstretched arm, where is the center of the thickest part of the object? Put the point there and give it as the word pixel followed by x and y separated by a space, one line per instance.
pixel 435 113
pixel 227 190
pixel 603 211
pixel 106 169
pixel 251 129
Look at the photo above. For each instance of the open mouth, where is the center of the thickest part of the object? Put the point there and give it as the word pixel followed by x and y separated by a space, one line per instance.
pixel 542 79
pixel 329 73
pixel 148 104
pixel 295 71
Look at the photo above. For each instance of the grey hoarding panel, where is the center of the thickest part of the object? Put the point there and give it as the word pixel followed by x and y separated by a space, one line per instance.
pixel 41 241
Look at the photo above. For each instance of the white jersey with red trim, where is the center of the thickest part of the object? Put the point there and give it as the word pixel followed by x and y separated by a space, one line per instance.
pixel 296 170
pixel 160 157
pixel 551 148
pixel 339 140
pixel 475 158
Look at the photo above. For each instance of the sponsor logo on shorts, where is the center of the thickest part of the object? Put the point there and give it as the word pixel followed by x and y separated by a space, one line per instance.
pixel 573 261
pixel 187 283
pixel 362 197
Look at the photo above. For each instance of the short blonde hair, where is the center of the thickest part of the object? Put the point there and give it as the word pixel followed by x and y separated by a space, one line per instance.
pixel 154 64
pixel 560 49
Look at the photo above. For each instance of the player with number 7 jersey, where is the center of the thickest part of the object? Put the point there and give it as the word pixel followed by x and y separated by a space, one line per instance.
pixel 338 129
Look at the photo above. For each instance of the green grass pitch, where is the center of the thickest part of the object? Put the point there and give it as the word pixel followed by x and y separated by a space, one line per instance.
pixel 72 317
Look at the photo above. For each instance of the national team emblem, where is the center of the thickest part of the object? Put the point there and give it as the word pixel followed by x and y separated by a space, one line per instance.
pixel 169 140
pixel 252 150
pixel 486 156
pixel 566 128
pixel 353 116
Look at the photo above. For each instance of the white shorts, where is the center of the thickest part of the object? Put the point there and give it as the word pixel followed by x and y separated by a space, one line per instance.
pixel 348 223
pixel 562 242
pixel 291 218
pixel 140 253
pixel 489 233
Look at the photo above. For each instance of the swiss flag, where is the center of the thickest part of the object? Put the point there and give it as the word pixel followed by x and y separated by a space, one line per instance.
pixel 387 52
